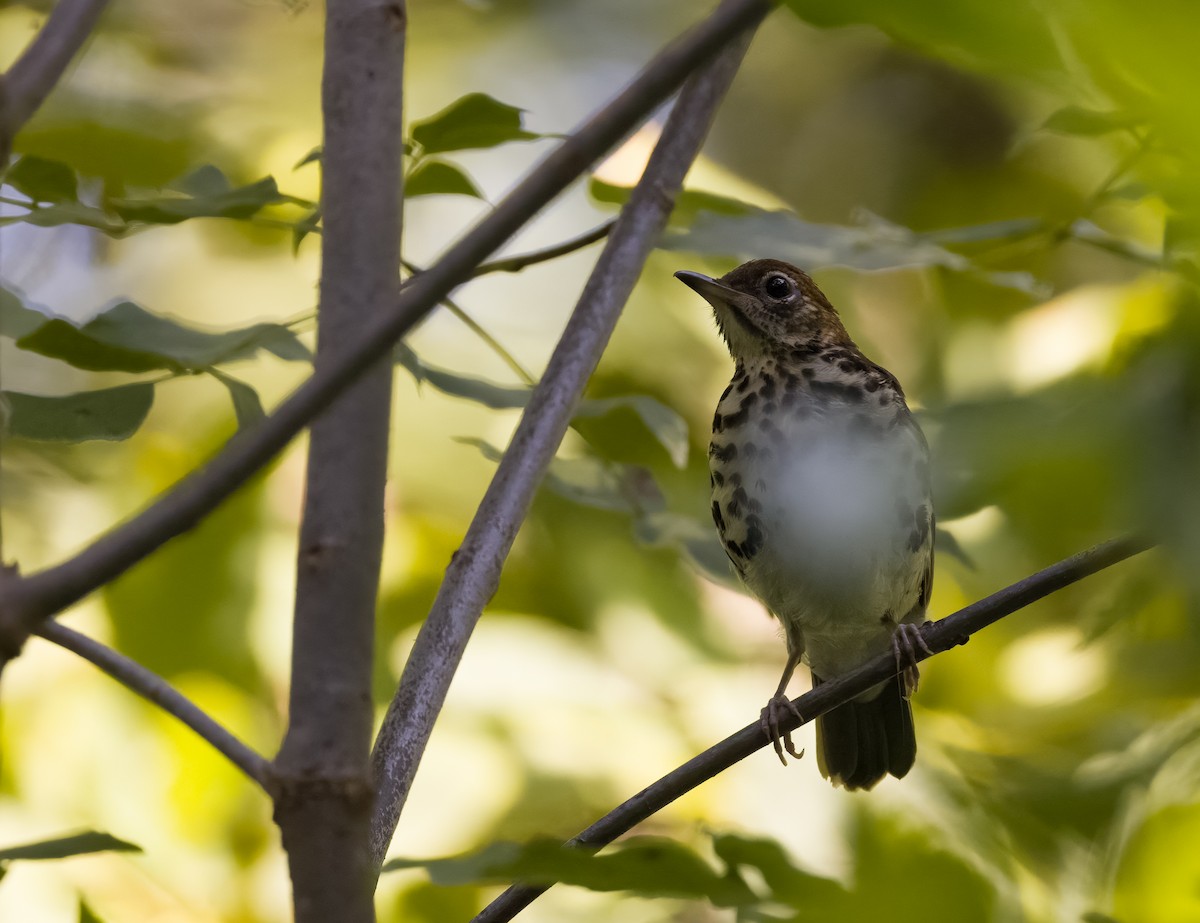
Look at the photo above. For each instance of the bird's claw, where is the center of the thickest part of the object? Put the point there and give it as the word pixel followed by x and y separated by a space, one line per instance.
pixel 907 640
pixel 771 715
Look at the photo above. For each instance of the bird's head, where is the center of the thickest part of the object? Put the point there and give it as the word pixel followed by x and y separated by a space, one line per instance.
pixel 768 307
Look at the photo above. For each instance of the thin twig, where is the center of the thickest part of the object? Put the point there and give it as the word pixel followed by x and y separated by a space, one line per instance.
pixel 474 572
pixel 522 260
pixel 183 506
pixel 940 636
pixel 156 690
pixel 34 74
pixel 476 328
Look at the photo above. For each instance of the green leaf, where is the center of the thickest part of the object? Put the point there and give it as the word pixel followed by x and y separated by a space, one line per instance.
pixel 876 245
pixel 817 898
pixel 52 216
pixel 945 543
pixel 128 338
pixel 696 541
pixel 206 180
pixel 593 482
pixel 111 414
pixel 436 177
pixel 497 397
pixel 246 404
pixel 43 180
pixel 647 866
pixel 77 844
pixel 1076 120
pixel 688 204
pixel 309 224
pixel 1014 37
pixel 16 319
pixel 86 914
pixel 313 156
pixel 206 193
pixel 473 121
pixel 667 426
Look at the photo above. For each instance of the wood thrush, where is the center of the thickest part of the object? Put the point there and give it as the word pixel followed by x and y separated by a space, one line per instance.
pixel 820 493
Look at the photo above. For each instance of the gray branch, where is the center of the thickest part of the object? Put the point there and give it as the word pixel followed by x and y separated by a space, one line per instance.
pixel 474 572
pixel 941 635
pixel 322 773
pixel 34 74
pixel 28 601
pixel 156 690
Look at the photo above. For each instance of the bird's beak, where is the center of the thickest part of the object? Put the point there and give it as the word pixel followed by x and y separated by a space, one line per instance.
pixel 709 289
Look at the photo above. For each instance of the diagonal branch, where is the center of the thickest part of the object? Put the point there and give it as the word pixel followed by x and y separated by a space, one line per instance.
pixel 156 690
pixel 34 74
pixel 474 572
pixel 28 601
pixel 940 636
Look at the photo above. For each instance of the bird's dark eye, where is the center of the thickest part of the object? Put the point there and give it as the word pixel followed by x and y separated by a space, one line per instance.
pixel 777 286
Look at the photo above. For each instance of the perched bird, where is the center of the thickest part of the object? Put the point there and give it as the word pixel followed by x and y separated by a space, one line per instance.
pixel 820 493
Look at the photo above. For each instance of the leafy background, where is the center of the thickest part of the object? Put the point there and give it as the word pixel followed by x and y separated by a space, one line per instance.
pixel 1001 199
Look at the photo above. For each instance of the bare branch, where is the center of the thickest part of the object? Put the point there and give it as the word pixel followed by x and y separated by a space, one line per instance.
pixel 474 572
pixel 42 594
pixel 34 74
pixel 522 260
pixel 323 789
pixel 153 688
pixel 940 636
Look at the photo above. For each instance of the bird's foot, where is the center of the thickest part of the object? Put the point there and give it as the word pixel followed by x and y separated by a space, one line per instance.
pixel 907 640
pixel 772 713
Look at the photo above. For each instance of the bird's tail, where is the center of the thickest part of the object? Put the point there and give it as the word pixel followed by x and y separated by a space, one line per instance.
pixel 861 742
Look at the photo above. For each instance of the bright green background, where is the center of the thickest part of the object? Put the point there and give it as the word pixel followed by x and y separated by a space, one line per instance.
pixel 1003 201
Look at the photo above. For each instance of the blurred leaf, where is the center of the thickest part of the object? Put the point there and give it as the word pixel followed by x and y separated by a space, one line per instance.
pixel 1014 37
pixel 688 203
pixel 246 404
pixel 51 216
pixel 128 338
pixel 876 245
pixel 426 902
pixel 890 855
pixel 990 232
pixel 203 193
pixel 472 121
pixel 593 482
pixel 945 543
pixel 110 414
pixel 125 142
pixel 816 898
pixel 1138 761
pixel 667 427
pixel 646 866
pixel 436 177
pixel 206 193
pixel 43 180
pixel 313 156
pixel 1094 916
pixel 696 541
pixel 86 914
pixel 309 224
pixel 1076 120
pixel 16 318
pixel 77 844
